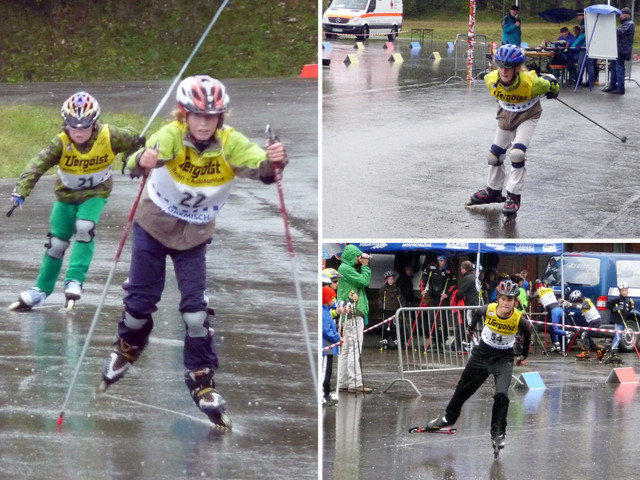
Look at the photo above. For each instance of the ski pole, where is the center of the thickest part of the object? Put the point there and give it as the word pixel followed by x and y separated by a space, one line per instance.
pixel 436 317
pixel 294 266
pixel 415 322
pixel 623 139
pixel 134 207
pixel 384 304
pixel 341 333
pixel 535 331
pixel 418 313
pixel 632 336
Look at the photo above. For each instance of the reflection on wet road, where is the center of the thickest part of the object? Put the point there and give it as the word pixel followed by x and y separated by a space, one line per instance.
pixel 404 151
pixel 147 426
pixel 578 427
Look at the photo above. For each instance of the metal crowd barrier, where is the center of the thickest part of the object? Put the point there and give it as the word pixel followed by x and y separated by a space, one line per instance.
pixel 431 339
pixel 460 52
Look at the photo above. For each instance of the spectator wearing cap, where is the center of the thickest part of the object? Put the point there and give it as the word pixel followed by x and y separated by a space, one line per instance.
pixel 625 34
pixel 511 31
pixel 442 282
pixel 389 302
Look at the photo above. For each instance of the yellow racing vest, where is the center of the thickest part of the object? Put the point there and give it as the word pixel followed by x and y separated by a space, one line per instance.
pixel 193 187
pixel 547 297
pixel 499 332
pixel 79 171
pixel 515 98
pixel 590 313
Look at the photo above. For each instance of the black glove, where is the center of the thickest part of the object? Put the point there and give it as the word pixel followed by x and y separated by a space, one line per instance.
pixel 138 143
pixel 555 88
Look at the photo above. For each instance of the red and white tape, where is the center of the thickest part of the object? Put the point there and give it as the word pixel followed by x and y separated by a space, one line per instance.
pixel 591 329
pixel 348 339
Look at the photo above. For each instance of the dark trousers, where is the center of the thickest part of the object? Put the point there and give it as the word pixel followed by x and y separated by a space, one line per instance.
pixel 389 328
pixel 475 373
pixel 144 290
pixel 441 329
pixel 618 71
pixel 326 382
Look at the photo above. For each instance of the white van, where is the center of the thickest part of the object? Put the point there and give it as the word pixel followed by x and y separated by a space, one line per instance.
pixel 363 17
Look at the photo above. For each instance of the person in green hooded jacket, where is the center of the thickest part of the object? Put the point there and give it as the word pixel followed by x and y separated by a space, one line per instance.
pixel 356 276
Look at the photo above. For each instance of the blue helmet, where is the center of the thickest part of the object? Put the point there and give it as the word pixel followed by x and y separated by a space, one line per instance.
pixel 509 56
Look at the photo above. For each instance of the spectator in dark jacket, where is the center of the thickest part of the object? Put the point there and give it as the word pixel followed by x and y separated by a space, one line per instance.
pixel 405 284
pixel 441 285
pixel 467 288
pixel 511 31
pixel 389 302
pixel 622 308
pixel 625 34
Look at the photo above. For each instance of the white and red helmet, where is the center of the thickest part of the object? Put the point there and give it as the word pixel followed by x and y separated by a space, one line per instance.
pixel 202 94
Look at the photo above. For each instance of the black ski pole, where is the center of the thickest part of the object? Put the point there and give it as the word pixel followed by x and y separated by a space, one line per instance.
pixel 623 139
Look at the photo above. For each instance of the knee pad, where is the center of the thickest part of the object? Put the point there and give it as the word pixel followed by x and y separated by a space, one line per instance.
pixel 85 230
pixel 56 246
pixel 132 322
pixel 518 155
pixel 197 324
pixel 496 155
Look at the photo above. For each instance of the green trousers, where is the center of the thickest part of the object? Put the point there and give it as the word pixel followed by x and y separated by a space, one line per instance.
pixel 63 225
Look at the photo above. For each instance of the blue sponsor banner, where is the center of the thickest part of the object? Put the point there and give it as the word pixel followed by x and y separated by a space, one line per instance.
pixel 506 248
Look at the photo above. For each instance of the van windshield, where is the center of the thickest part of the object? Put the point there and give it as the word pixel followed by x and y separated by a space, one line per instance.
pixel 351 4
pixel 577 271
pixel 628 271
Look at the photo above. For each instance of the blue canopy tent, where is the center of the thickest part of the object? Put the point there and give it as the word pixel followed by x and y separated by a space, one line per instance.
pixel 504 248
pixel 480 248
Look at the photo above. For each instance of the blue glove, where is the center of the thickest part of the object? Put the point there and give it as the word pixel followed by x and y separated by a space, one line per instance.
pixel 16 200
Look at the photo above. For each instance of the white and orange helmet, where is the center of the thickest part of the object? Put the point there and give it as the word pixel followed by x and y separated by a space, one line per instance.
pixel 202 94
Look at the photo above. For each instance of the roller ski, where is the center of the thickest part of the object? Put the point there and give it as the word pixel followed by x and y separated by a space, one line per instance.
pixel 28 299
pixel 497 443
pixel 485 196
pixel 437 425
pixel 117 364
pixel 202 388
pixel 611 358
pixel 583 356
pixel 72 293
pixel 557 348
pixel 510 209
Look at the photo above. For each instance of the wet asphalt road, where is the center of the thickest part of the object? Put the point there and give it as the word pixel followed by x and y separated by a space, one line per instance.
pixel 578 427
pixel 404 151
pixel 147 426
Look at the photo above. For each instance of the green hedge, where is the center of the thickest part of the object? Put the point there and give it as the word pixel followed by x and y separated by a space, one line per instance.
pixel 58 40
